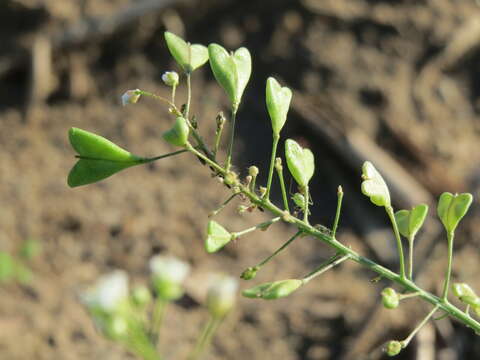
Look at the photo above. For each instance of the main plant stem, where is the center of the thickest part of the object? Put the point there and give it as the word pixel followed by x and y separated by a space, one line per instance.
pixel 305 227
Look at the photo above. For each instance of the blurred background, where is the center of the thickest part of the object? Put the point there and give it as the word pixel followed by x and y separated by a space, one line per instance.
pixel 393 82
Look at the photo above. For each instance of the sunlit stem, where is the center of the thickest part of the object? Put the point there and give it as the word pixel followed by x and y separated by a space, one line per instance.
pixel 467 309
pixel 327 265
pixel 401 258
pixel 232 135
pixel 215 212
pixel 213 164
pixel 261 226
pixel 409 295
pixel 139 343
pixel 450 237
pixel 147 160
pixel 158 312
pixel 419 326
pixel 281 248
pixel 279 168
pixel 410 257
pixel 174 88
pixel 276 137
pixel 305 208
pixel 339 209
pixel 189 94
pixel 152 95
pixel 205 338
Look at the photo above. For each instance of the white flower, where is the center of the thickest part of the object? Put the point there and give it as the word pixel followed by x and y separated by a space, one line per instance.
pixel 109 291
pixel 170 78
pixel 221 294
pixel 130 97
pixel 169 268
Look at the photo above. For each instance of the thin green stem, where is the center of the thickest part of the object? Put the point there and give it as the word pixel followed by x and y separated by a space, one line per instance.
pixel 409 295
pixel 446 286
pixel 260 226
pixel 410 257
pixel 270 257
pixel 339 210
pixel 419 326
pixel 152 95
pixel 307 199
pixel 401 258
pixel 279 169
pixel 232 135
pixel 225 203
pixel 189 94
pixel 276 137
pixel 148 160
pixel 158 312
pixel 174 88
pixel 212 163
pixel 205 338
pixel 327 265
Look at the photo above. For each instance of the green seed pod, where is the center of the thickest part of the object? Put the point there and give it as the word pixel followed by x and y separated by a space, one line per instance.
pixel 462 289
pixel 300 162
pixel 393 348
pixel 178 134
pixel 273 290
pixel 390 298
pixel 232 71
pixel 99 158
pixel 409 222
pixel 253 171
pixel 278 102
pixel 217 237
pixel 374 186
pixel 452 208
pixel 249 273
pixel 189 57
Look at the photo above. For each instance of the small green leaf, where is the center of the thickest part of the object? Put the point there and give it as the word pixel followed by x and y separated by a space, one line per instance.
pixel 409 222
pixel 232 71
pixel 278 102
pixel 99 158
pixel 374 186
pixel 217 237
pixel 300 162
pixel 178 134
pixel 189 57
pixel 451 209
pixel 273 290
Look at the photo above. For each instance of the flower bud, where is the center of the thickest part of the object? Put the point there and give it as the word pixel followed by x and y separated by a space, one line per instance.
pixel 249 273
pixel 253 171
pixel 141 296
pixel 168 274
pixel 170 78
pixel 221 295
pixel 390 298
pixel 299 200
pixel 278 164
pixel 393 348
pixel 130 97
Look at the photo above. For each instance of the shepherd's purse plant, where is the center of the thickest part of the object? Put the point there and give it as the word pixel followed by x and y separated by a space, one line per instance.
pixel 99 158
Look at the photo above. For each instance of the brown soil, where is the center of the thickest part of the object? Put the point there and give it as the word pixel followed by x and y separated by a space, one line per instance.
pixel 403 73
